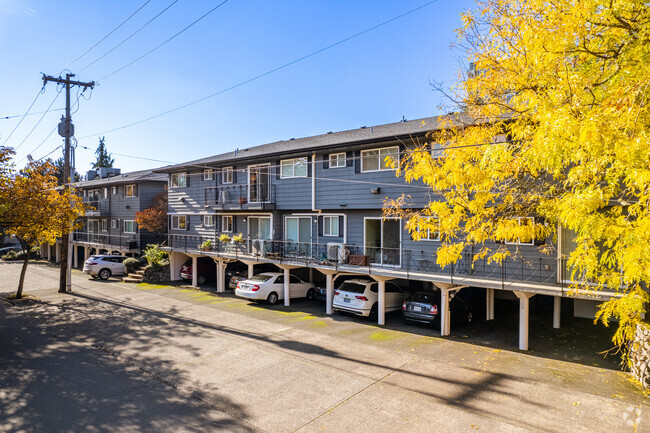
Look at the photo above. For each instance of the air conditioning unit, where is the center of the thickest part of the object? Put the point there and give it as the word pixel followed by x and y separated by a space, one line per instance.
pixel 258 247
pixel 337 252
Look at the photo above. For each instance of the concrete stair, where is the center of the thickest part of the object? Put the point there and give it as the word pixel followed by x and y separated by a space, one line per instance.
pixel 133 277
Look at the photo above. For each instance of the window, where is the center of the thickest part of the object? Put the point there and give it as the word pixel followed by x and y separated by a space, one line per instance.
pixel 83 193
pixel 528 227
pixel 293 168
pixel 113 190
pixel 178 180
pixel 129 226
pixel 104 225
pixel 113 224
pixel 179 222
pixel 330 226
pixel 430 230
pixel 226 175
pixel 93 226
pixel 259 227
pixel 226 224
pixel 337 160
pixel 208 220
pixel 375 159
pixel 104 192
pixel 207 174
pixel 129 190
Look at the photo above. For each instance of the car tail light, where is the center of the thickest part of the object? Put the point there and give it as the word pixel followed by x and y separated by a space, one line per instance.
pixel 256 288
pixel 238 285
pixel 336 293
pixel 363 298
pixel 434 309
pixel 404 305
pixel 92 263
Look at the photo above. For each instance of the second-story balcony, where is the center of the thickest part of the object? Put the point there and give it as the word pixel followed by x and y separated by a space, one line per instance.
pixel 256 197
pixel 95 208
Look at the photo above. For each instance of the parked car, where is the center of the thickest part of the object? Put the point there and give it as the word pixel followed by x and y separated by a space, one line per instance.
pixel 207 271
pixel 269 286
pixel 5 250
pixel 237 271
pixel 359 296
pixel 104 266
pixel 424 307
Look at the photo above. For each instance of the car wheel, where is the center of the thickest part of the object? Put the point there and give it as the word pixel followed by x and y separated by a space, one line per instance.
pixel 104 274
pixel 94 277
pixel 311 294
pixel 373 313
pixel 200 280
pixel 272 298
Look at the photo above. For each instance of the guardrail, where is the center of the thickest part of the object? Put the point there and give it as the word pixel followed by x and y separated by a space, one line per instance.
pixel 238 195
pixel 535 268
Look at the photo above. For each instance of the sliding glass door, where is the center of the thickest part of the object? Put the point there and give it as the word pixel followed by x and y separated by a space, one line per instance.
pixel 383 241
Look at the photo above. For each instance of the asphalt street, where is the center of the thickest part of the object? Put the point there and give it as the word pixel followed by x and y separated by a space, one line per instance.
pixel 118 357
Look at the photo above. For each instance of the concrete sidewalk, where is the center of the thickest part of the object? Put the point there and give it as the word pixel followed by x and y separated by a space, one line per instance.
pixel 119 357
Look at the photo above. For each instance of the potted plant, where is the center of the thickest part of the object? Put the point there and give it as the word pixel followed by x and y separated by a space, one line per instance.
pixel 242 200
pixel 238 238
pixel 225 238
pixel 206 246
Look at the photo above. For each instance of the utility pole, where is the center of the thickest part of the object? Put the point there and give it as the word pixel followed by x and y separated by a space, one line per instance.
pixel 66 129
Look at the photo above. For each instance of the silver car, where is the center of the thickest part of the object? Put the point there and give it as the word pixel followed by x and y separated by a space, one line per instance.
pixel 104 266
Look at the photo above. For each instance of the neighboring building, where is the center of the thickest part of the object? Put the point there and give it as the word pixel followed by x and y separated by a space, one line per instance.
pixel 315 204
pixel 109 225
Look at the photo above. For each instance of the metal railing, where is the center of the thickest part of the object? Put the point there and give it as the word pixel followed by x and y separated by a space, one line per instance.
pixel 518 267
pixel 122 241
pixel 238 195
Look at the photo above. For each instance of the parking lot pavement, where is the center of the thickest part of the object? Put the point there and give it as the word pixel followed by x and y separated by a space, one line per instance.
pixel 119 357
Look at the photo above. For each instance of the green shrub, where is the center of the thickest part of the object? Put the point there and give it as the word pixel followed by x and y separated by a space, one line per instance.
pixel 11 255
pixel 155 256
pixel 131 264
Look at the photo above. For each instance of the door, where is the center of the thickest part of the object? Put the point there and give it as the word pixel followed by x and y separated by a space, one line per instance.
pixel 259 183
pixel 297 236
pixel 383 241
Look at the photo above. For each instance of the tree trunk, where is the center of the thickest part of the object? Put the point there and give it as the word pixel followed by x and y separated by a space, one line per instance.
pixel 23 271
pixel 64 262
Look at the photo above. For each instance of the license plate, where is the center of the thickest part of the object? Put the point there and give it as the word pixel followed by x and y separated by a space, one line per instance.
pixel 416 308
pixel 346 300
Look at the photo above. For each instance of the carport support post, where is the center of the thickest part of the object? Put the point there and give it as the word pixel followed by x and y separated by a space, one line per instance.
pixel 251 269
pixel 329 289
pixel 75 255
pixel 444 313
pixel 195 271
pixel 49 252
pixel 221 275
pixel 524 310
pixel 557 302
pixel 287 301
pixel 86 251
pixel 311 275
pixel 57 258
pixel 489 311
pixel 381 299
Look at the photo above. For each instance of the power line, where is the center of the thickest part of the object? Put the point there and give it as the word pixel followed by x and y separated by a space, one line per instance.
pixel 36 148
pixel 132 34
pixel 39 120
pixel 43 157
pixel 110 33
pixel 154 49
pixel 263 74
pixel 40 92
pixel 29 114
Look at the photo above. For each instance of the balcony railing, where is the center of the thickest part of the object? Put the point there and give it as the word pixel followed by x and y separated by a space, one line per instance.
pixel 231 195
pixel 122 241
pixel 535 268
pixel 97 207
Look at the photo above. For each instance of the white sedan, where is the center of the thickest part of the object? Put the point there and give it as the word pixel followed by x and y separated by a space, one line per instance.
pixel 269 286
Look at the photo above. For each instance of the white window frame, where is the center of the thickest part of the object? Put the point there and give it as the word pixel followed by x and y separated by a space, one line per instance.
pixel 113 224
pixel 83 192
pixel 383 152
pixel 428 237
pixel 105 192
pixel 178 180
pixel 259 218
pixel 336 161
pixel 113 190
pixel 207 174
pixel 227 175
pixel 532 240
pixel 134 226
pixel 104 225
pixel 401 240
pixel 227 223
pixel 208 220
pixel 331 222
pixel 127 188
pixel 177 218
pixel 293 163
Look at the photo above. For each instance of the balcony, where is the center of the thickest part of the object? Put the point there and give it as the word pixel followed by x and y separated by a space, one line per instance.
pixel 129 242
pixel 528 270
pixel 96 208
pixel 228 197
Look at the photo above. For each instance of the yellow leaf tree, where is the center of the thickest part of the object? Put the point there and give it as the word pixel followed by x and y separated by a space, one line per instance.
pixel 34 210
pixel 555 124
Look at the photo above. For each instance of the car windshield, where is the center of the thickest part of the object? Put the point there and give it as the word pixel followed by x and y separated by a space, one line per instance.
pixel 352 287
pixel 94 257
pixel 261 278
pixel 422 297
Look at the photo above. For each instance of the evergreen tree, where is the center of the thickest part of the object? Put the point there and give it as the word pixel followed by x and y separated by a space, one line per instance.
pixel 103 157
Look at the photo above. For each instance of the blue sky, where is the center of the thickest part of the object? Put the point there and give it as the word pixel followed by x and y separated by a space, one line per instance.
pixel 373 79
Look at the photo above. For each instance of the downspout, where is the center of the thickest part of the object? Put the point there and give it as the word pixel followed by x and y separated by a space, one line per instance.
pixel 313 183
